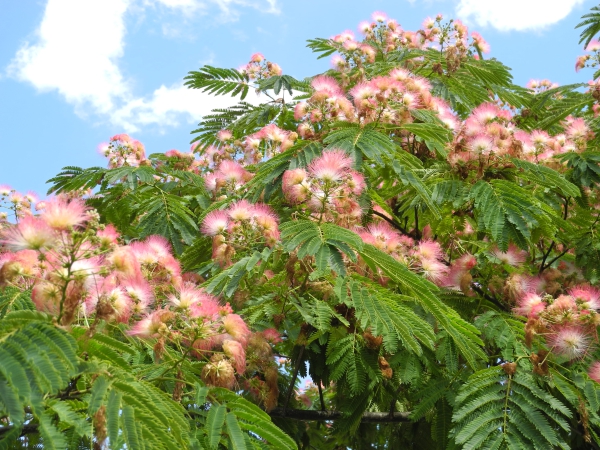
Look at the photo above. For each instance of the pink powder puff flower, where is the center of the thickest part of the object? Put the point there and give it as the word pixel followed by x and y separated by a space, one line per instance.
pixel 236 327
pixel 272 336
pixel 594 371
pixel 61 214
pixel 481 145
pixel 232 171
pixel 587 295
pixel 241 211
pixel 140 292
pixel 46 297
pixel 485 113
pixel 563 304
pixel 364 27
pixel 186 297
pixel 159 246
pixel 125 262
pixel 275 69
pixel 593 46
pixel 108 236
pixel 513 256
pixel 479 43
pixel 434 270
pixel 235 351
pixel 31 233
pixel 151 325
pixel 206 307
pixel 429 250
pixel 257 57
pixel 300 110
pixel 379 16
pixel 330 166
pixel 224 135
pixel 580 62
pixel 569 341
pixel 328 85
pixel 530 305
pixel 5 190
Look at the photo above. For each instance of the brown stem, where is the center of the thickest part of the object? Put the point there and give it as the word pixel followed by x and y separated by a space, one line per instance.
pixel 367 417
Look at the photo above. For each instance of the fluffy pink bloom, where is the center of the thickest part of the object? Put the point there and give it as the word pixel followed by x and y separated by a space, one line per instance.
pixel 379 16
pixel 241 211
pixel 479 43
pixel 513 256
pixel 272 335
pixel 569 341
pixel 257 57
pixel 593 46
pixel 5 190
pixel 586 294
pixel 140 293
pixel 62 214
pixel 235 351
pixel 294 185
pixel 187 296
pixel 530 305
pixel 328 85
pixel 31 233
pixel 206 306
pixel 429 250
pixel 109 235
pixel 151 325
pixel 236 327
pixel 434 270
pixel 594 371
pixel 331 165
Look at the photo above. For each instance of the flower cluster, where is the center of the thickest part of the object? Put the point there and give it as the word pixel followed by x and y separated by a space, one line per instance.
pixel 387 99
pixel 242 226
pixel 328 189
pixel 568 323
pixel 226 179
pixel 78 272
pixel 590 60
pixel 539 86
pixel 489 132
pixel 258 68
pixel 122 150
pixel 425 257
pixel 18 204
pixel 452 38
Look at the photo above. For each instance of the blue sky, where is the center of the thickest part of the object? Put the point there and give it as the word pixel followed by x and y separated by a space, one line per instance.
pixel 75 72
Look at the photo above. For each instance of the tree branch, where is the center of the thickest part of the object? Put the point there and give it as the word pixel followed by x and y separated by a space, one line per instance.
pixel 391 222
pixel 367 417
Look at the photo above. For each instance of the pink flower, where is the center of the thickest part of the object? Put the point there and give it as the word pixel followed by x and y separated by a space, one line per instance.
pixel 272 335
pixel 429 250
pixel 594 371
pixel 593 46
pixel 379 16
pixel 236 327
pixel 587 295
pixel 235 351
pixel 62 214
pixel 513 256
pixel 109 235
pixel 151 325
pixel 530 305
pixel 31 233
pixel 434 270
pixel 224 135
pixel 5 190
pixel 331 165
pixel 328 85
pixel 215 223
pixel 569 341
pixel 257 57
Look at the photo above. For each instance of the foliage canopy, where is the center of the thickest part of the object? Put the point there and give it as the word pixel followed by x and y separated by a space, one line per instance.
pixel 410 229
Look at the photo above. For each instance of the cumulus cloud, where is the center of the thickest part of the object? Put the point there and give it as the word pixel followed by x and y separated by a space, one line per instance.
pixel 517 15
pixel 76 52
pixel 168 105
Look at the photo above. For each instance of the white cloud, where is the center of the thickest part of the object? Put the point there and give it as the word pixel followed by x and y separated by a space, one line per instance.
pixel 77 50
pixel 517 15
pixel 167 105
pixel 78 45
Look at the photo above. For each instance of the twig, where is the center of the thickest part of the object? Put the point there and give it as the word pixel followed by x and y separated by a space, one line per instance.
pixel 367 417
pixel 293 383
